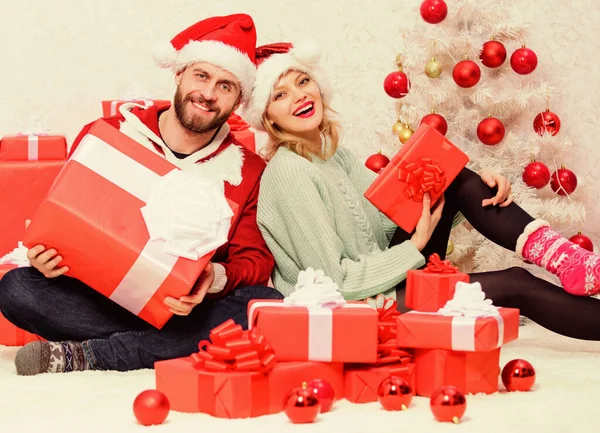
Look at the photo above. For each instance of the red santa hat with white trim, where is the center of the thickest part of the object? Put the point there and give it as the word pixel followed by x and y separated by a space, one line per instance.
pixel 273 61
pixel 228 42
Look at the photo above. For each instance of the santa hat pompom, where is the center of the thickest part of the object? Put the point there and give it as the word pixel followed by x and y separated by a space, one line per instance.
pixel 307 52
pixel 165 55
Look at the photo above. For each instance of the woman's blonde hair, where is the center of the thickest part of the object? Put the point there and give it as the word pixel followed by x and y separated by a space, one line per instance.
pixel 277 137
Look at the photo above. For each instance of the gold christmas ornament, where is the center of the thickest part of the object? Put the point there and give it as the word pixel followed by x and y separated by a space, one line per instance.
pixel 433 68
pixel 405 134
pixel 398 127
pixel 450 247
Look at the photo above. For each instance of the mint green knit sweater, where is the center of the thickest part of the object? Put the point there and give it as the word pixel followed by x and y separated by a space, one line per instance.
pixel 314 214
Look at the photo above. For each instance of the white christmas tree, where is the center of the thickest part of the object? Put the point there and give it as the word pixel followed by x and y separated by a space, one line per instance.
pixel 510 98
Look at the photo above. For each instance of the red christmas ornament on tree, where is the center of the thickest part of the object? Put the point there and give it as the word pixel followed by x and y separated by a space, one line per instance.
pixel 490 131
pixel 436 121
pixel 563 181
pixel 325 393
pixel 397 84
pixel 523 61
pixel 434 11
pixel 493 54
pixel 518 375
pixel 583 241
pixel 466 73
pixel 394 393
pixel 377 162
pixel 547 122
pixel 536 174
pixel 448 404
pixel 302 405
pixel 151 407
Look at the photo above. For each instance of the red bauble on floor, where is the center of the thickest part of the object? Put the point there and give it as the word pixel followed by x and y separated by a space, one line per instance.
pixel 436 121
pixel 490 131
pixel 324 391
pixel 302 406
pixel 493 54
pixel 466 73
pixel 536 175
pixel 448 404
pixel 151 407
pixel 518 375
pixel 394 393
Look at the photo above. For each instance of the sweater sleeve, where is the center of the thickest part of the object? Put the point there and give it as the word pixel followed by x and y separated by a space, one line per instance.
pixel 294 219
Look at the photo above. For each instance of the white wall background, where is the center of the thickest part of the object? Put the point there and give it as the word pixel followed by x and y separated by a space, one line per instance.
pixel 60 58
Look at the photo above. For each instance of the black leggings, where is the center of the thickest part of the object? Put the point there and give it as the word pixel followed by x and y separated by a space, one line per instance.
pixel 541 301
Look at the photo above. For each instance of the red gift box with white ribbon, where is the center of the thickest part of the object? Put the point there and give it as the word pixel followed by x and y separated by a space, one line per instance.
pixel 130 224
pixel 33 147
pixel 111 107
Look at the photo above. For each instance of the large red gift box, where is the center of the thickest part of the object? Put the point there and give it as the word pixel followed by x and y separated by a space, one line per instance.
pixel 241 132
pixel 428 290
pixel 472 334
pixel 24 184
pixel 111 107
pixel 237 375
pixel 341 334
pixel 33 147
pixel 10 335
pixel 361 382
pixel 428 162
pixel 471 372
pixel 92 216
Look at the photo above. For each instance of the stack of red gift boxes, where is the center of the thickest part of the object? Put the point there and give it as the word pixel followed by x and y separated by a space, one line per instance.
pixel 29 163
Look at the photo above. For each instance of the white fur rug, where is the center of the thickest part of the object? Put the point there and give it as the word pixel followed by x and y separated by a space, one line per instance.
pixel 565 399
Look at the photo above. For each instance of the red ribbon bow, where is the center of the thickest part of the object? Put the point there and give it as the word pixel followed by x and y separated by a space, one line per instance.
pixel 387 352
pixel 438 266
pixel 421 177
pixel 233 349
pixel 236 123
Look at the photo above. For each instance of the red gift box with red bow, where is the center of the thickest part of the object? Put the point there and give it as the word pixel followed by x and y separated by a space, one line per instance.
pixel 236 375
pixel 429 289
pixel 428 162
pixel 241 132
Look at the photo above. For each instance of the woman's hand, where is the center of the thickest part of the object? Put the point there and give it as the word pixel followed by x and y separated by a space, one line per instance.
pixel 428 222
pixel 493 179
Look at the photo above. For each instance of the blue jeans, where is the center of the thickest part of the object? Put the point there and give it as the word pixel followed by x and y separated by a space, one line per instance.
pixel 64 308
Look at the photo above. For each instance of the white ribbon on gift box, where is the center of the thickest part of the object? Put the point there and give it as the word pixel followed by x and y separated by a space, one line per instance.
pixel 153 264
pixel 114 104
pixel 320 296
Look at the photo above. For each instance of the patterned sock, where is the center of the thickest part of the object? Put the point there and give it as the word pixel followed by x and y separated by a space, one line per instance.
pixel 577 268
pixel 50 357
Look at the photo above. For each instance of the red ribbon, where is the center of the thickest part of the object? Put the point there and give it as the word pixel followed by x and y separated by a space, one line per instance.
pixel 421 177
pixel 233 349
pixel 438 266
pixel 387 352
pixel 236 123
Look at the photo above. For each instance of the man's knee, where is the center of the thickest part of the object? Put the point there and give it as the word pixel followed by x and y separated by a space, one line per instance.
pixel 16 288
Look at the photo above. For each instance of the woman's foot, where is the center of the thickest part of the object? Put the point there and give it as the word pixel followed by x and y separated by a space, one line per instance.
pixel 50 357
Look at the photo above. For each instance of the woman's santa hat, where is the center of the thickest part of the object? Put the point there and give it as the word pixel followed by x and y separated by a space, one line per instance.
pixel 273 61
pixel 228 42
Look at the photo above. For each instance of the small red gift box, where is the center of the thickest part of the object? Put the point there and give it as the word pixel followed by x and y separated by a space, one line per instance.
pixel 237 376
pixel 429 289
pixel 24 184
pixel 10 335
pixel 93 216
pixel 241 132
pixel 111 107
pixel 33 147
pixel 472 334
pixel 341 334
pixel 471 372
pixel 361 382
pixel 428 162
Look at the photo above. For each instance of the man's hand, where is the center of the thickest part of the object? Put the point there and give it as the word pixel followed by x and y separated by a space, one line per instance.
pixel 503 196
pixel 184 305
pixel 45 260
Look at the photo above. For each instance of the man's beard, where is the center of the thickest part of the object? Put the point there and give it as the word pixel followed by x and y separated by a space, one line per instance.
pixel 196 123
